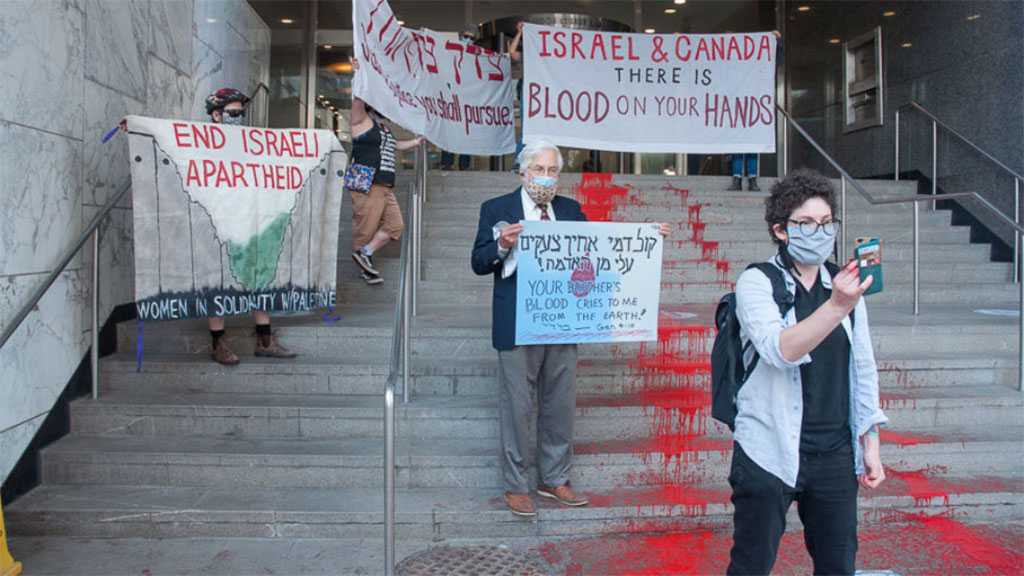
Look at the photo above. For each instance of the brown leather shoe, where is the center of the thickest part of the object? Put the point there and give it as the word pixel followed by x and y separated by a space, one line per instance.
pixel 563 494
pixel 520 504
pixel 223 355
pixel 273 348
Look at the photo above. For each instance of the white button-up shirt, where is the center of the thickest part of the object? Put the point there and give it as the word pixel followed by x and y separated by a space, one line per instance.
pixel 530 212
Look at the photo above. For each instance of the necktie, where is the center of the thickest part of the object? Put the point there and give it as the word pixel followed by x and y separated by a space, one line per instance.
pixel 543 211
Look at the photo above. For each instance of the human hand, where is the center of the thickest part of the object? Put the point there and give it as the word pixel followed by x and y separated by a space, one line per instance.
pixel 874 472
pixel 519 26
pixel 847 288
pixel 665 229
pixel 509 236
pixel 355 63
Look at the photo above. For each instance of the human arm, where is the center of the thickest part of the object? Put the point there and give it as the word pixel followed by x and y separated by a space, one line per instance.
pixel 488 253
pixel 513 47
pixel 403 145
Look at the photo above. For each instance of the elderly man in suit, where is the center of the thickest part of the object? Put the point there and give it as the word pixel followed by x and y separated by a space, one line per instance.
pixel 551 369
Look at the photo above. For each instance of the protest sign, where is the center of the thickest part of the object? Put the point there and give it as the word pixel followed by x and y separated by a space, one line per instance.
pixel 230 219
pixel 678 93
pixel 455 93
pixel 587 282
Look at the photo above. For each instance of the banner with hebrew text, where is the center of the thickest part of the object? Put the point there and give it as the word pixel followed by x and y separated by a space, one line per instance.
pixel 230 219
pixel 455 93
pixel 580 282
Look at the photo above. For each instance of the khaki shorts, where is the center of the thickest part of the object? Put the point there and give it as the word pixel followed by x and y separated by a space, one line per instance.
pixel 375 210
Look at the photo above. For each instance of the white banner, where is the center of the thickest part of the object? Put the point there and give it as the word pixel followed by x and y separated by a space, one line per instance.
pixel 680 93
pixel 456 94
pixel 232 219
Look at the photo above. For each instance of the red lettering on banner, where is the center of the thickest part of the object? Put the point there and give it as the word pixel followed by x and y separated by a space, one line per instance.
pixel 680 40
pixel 734 46
pixel 632 53
pixel 577 39
pixel 238 175
pixel 598 43
pixel 178 134
pixel 559 39
pixel 544 44
pixel 453 46
pixel 765 48
pixel 617 47
pixel 192 174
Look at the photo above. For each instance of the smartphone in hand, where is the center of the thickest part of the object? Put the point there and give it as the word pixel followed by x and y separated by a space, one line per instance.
pixel 868 253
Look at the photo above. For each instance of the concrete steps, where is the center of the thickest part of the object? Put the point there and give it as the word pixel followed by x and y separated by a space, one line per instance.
pixel 279 457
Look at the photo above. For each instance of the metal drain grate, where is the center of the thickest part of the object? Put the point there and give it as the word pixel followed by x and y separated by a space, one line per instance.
pixel 469 561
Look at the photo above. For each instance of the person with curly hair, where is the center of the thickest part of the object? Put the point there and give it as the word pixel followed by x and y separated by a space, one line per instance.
pixel 808 415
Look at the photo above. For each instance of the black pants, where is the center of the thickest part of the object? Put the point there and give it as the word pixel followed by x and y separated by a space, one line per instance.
pixel 826 497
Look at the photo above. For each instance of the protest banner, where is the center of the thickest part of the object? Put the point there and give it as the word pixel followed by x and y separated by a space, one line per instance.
pixel 581 282
pixel 455 93
pixel 675 93
pixel 229 219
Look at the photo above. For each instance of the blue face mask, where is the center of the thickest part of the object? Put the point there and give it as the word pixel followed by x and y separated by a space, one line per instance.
pixel 811 249
pixel 544 181
pixel 232 120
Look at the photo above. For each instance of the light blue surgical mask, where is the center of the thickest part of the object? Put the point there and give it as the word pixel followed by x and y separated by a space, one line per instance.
pixel 810 249
pixel 233 120
pixel 544 181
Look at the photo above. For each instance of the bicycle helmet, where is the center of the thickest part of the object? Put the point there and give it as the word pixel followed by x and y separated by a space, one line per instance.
pixel 221 98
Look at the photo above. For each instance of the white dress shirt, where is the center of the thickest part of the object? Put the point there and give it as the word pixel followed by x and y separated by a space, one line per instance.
pixel 530 212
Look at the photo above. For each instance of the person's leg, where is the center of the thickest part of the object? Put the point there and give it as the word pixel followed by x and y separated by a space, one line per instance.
pixel 464 162
pixel 367 211
pixel 752 173
pixel 219 350
pixel 391 222
pixel 737 173
pixel 517 376
pixel 447 160
pixel 828 510
pixel 267 344
pixel 760 501
pixel 556 414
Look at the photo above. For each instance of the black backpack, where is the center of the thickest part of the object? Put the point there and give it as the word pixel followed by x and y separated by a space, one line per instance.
pixel 727 370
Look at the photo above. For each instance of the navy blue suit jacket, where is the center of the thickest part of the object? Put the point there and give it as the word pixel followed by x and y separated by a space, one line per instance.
pixel 485 259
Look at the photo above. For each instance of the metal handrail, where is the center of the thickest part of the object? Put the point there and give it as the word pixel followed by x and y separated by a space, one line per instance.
pixel 915 201
pixel 917 106
pixel 91 230
pixel 398 364
pixel 936 124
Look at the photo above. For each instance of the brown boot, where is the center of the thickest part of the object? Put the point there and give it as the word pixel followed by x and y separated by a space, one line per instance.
pixel 520 504
pixel 563 494
pixel 268 347
pixel 223 355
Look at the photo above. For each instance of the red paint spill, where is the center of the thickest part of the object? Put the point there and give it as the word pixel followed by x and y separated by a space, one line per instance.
pixel 599 197
pixel 903 439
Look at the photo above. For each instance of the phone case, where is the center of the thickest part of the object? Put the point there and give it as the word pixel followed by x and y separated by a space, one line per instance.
pixel 869 262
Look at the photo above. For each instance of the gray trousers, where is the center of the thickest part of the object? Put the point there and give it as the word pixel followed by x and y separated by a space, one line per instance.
pixel 551 371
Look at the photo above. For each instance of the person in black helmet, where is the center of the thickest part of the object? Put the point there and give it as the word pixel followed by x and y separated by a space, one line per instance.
pixel 227 106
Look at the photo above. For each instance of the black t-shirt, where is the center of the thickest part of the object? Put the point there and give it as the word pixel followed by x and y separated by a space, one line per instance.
pixel 376 148
pixel 826 380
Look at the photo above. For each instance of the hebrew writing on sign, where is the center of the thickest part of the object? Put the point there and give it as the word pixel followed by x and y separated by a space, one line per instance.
pixel 229 220
pixel 455 93
pixel 587 282
pixel 680 93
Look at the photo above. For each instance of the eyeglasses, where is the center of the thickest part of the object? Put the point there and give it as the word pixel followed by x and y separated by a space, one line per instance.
pixel 810 227
pixel 235 112
pixel 542 171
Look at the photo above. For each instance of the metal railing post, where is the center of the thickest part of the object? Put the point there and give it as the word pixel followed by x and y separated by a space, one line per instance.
pixel 896 147
pixel 1020 328
pixel 935 163
pixel 389 478
pixel 423 170
pixel 415 245
pixel 1016 237
pixel 785 144
pixel 917 258
pixel 406 317
pixel 94 353
pixel 842 223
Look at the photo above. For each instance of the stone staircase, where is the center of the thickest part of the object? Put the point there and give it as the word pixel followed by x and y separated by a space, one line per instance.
pixel 269 455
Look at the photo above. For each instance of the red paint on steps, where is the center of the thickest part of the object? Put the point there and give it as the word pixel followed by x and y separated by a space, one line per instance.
pixel 599 197
pixel 903 439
